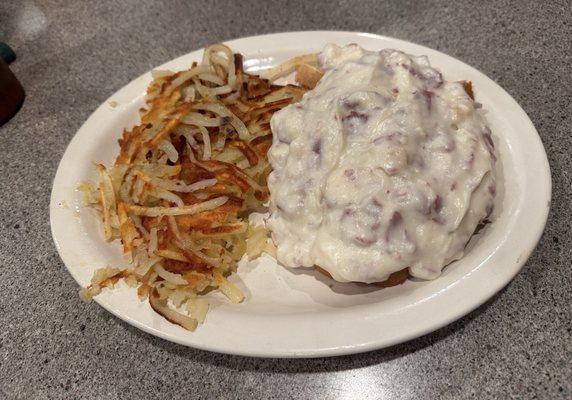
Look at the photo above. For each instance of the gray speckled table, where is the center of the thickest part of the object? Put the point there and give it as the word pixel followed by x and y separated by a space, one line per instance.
pixel 73 55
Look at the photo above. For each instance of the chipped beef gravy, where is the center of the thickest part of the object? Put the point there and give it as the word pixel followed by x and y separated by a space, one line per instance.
pixel 383 166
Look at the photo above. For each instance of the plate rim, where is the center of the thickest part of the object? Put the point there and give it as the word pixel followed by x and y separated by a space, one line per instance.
pixel 494 288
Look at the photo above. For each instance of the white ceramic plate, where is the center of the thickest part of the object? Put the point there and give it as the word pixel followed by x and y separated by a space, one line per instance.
pixel 297 314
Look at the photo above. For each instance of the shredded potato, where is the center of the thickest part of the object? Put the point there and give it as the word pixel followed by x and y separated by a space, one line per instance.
pixel 185 180
pixel 180 210
pixel 198 309
pixel 289 66
pixel 256 241
pixel 308 75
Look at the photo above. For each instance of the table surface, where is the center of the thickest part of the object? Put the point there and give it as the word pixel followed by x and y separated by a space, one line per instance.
pixel 73 55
